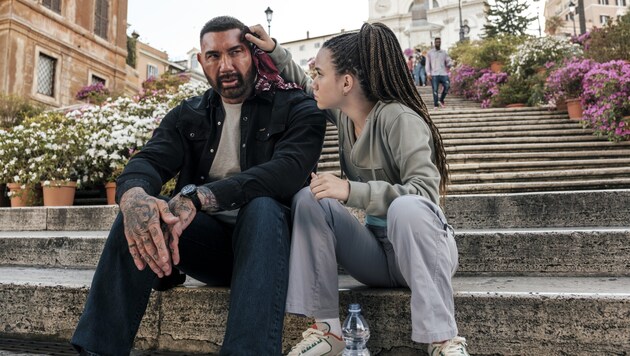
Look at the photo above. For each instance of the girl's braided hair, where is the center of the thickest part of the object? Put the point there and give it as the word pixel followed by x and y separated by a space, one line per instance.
pixel 374 56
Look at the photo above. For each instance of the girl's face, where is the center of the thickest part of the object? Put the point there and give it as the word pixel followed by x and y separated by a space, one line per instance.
pixel 327 85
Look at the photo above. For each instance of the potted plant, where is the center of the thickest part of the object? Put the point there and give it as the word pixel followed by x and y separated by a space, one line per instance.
pixel 94 94
pixel 487 86
pixel 16 149
pixel 565 83
pixel 606 99
pixel 58 157
pixel 494 52
pixel 514 93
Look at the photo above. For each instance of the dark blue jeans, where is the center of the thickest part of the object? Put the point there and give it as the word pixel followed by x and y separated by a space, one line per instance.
pixel 251 257
pixel 436 80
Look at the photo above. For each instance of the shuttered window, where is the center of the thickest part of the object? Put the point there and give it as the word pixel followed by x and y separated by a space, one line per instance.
pixel 101 18
pixel 54 5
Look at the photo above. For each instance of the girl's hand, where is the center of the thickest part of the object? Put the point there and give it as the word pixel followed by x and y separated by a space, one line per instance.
pixel 329 186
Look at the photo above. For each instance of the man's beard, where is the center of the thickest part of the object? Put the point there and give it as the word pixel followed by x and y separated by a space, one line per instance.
pixel 234 92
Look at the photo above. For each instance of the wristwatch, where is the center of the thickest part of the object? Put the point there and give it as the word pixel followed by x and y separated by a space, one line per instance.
pixel 190 191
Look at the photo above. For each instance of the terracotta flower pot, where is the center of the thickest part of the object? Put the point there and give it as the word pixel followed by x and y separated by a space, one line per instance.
pixel 496 66
pixel 110 190
pixel 574 107
pixel 21 195
pixel 515 105
pixel 59 193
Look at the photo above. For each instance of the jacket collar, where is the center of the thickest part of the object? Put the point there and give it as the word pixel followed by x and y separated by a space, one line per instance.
pixel 212 98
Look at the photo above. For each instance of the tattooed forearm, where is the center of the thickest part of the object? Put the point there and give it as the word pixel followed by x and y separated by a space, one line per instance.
pixel 208 200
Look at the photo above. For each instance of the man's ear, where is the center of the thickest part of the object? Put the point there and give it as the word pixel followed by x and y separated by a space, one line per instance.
pixel 199 57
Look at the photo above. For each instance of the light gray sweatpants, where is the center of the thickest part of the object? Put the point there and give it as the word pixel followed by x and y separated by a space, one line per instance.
pixel 417 250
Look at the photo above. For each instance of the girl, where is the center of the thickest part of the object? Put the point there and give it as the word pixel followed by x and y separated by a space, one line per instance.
pixel 394 160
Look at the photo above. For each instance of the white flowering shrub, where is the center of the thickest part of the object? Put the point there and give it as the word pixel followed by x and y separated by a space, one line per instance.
pixel 91 144
pixel 539 52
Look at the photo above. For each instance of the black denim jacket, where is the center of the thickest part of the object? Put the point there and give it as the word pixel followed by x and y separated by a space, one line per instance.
pixel 281 140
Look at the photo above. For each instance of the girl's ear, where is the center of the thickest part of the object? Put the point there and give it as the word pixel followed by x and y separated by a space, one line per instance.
pixel 348 83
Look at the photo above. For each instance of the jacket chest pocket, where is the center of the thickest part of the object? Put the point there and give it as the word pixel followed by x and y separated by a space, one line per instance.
pixel 267 133
pixel 196 139
pixel 266 139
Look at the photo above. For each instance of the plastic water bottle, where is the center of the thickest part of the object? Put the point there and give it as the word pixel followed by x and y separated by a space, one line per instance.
pixel 356 333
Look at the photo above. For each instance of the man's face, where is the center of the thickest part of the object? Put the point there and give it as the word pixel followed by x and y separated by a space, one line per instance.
pixel 438 43
pixel 227 64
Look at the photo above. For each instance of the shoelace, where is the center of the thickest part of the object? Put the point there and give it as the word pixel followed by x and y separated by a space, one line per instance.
pixel 310 337
pixel 454 347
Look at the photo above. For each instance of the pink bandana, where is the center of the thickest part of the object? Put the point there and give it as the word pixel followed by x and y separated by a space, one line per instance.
pixel 269 78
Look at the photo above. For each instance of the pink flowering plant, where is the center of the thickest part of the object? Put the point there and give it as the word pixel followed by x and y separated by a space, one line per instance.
pixel 463 78
pixel 565 81
pixel 606 99
pixel 95 93
pixel 487 86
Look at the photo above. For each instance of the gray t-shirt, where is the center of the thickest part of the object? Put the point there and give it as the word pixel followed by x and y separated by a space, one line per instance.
pixel 227 160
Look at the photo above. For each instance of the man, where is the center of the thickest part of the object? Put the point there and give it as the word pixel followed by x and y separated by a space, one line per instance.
pixel 437 65
pixel 242 150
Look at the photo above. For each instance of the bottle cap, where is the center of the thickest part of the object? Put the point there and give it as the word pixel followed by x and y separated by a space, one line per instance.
pixel 355 307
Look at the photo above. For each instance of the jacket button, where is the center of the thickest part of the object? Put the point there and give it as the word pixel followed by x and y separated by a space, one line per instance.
pixel 243 145
pixel 219 123
pixel 212 150
pixel 192 134
pixel 202 177
pixel 244 118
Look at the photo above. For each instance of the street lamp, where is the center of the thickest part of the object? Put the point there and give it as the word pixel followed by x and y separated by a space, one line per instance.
pixel 461 23
pixel 572 15
pixel 269 13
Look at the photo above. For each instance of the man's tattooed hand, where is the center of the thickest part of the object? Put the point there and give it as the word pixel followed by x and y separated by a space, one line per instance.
pixel 142 214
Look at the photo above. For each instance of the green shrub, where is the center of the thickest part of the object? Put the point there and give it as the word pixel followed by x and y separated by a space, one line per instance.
pixel 516 90
pixel 611 42
pixel 14 109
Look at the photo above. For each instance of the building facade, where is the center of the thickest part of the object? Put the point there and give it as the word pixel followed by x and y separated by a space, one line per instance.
pixel 49 49
pixel 597 13
pixel 416 24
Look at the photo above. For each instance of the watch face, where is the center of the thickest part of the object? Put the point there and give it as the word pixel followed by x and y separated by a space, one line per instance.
pixel 189 189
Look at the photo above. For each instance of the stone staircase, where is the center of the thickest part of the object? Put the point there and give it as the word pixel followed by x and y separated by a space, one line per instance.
pixel 541 212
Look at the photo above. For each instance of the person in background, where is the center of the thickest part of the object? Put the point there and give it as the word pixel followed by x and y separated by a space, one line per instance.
pixel 394 160
pixel 411 63
pixel 437 66
pixel 242 150
pixel 419 72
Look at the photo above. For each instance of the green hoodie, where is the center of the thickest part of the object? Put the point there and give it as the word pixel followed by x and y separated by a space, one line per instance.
pixel 394 155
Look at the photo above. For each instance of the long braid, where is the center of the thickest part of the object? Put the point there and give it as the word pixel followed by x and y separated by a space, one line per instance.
pixel 374 56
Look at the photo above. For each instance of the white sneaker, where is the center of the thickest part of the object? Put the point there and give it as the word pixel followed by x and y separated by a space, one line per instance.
pixel 317 340
pixel 453 347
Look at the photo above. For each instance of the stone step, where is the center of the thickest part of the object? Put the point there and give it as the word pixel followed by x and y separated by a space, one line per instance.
pixel 497 315
pixel 576 183
pixel 551 140
pixel 534 147
pixel 494 167
pixel 483 116
pixel 506 125
pixel 587 208
pixel 475 158
pixel 525 252
pixel 511 133
pixel 603 173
